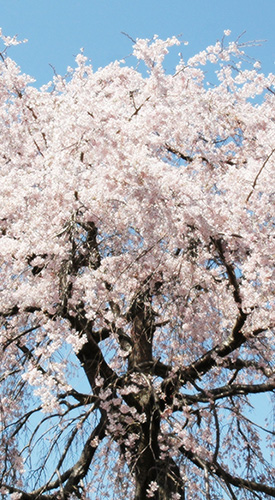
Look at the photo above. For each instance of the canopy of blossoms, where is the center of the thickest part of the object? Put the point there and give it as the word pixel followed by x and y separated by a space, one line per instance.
pixel 137 278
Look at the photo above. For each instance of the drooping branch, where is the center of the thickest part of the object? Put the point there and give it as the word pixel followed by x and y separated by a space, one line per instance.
pixel 70 479
pixel 216 469
pixel 207 361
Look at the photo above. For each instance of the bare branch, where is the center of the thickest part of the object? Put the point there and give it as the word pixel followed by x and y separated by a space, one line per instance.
pixel 260 171
pixel 217 470
pixel 228 391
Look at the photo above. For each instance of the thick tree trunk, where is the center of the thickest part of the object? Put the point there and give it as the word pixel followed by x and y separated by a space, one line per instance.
pixel 146 463
pixel 149 467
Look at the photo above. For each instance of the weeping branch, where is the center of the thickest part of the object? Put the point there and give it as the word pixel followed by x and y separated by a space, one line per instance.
pixel 216 470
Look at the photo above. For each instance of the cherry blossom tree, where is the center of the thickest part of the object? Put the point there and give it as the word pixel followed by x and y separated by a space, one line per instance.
pixel 136 278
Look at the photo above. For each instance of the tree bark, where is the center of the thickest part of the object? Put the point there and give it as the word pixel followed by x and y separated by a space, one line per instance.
pixel 148 465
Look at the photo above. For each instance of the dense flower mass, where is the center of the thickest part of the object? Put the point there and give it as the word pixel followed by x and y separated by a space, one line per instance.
pixel 137 278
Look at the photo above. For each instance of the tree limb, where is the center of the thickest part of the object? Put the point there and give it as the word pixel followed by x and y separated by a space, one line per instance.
pixel 216 470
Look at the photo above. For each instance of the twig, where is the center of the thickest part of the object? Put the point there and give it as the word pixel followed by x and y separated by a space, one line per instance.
pixel 258 174
pixel 128 36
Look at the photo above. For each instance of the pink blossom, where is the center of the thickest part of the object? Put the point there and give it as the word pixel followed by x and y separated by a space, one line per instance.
pixel 137 276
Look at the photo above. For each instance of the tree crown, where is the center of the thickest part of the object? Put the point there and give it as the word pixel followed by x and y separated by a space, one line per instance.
pixel 137 254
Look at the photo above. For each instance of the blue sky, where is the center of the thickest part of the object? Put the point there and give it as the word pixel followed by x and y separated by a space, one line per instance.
pixel 57 29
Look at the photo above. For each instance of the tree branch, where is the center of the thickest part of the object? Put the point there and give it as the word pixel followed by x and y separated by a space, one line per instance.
pixel 227 391
pixel 260 171
pixel 216 470
pixel 72 475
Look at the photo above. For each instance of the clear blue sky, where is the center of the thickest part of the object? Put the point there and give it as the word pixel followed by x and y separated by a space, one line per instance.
pixel 57 29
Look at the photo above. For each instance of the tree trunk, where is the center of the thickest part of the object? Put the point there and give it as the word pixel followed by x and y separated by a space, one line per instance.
pixel 147 464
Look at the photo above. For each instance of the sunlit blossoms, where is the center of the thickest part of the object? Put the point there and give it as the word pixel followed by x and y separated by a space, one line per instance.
pixel 137 278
